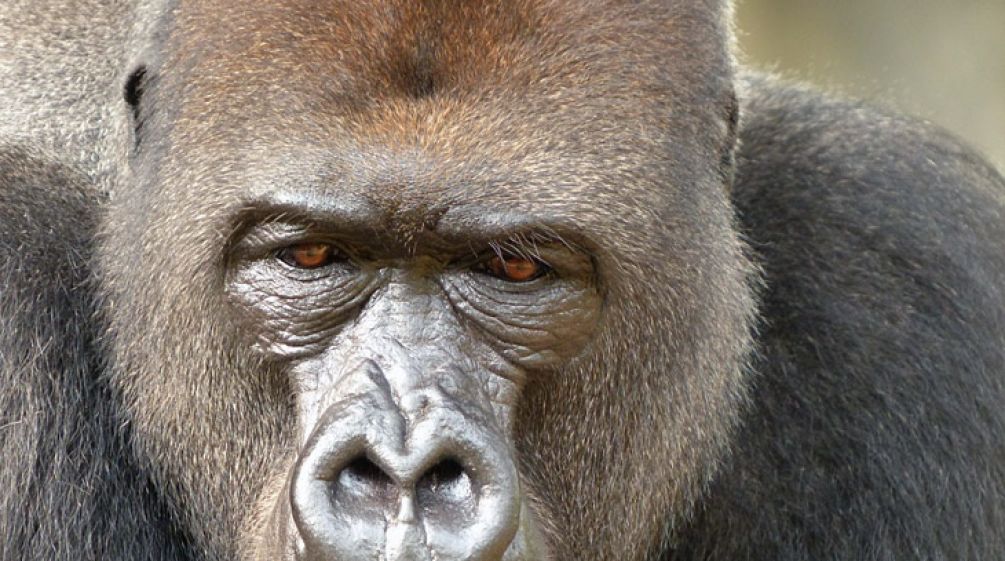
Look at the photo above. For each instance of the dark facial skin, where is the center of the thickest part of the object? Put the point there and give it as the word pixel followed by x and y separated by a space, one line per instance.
pixel 431 280
pixel 406 364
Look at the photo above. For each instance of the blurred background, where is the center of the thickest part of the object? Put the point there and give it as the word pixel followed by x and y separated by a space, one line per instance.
pixel 943 60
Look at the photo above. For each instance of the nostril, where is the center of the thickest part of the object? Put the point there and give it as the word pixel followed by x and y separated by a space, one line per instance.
pixel 446 486
pixel 364 479
pixel 362 469
pixel 443 474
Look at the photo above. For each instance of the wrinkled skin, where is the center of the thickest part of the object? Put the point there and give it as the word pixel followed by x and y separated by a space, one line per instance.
pixel 495 281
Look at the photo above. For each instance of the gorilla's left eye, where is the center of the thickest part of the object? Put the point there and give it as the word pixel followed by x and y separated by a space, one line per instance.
pixel 311 255
pixel 515 269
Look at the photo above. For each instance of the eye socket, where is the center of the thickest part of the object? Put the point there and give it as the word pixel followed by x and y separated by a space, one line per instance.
pixel 311 255
pixel 514 268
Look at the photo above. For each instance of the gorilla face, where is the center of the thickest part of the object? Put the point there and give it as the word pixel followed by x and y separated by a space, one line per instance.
pixel 430 280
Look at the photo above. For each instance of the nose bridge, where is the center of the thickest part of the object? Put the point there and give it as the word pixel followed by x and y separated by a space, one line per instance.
pixel 409 307
pixel 417 345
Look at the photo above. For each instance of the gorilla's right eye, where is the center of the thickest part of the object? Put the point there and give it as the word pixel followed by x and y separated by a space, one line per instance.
pixel 311 255
pixel 515 269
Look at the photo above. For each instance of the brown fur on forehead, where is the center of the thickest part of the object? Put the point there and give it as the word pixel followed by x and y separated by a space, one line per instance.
pixel 421 104
pixel 357 54
pixel 519 85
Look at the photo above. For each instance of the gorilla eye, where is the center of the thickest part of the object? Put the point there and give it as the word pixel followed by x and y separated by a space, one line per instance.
pixel 308 255
pixel 515 269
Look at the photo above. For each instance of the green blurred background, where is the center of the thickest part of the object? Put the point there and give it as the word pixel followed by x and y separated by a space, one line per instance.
pixel 943 60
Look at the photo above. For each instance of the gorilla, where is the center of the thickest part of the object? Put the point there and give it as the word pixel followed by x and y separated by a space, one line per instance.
pixel 499 280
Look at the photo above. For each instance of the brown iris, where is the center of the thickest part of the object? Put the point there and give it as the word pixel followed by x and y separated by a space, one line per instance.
pixel 515 269
pixel 308 255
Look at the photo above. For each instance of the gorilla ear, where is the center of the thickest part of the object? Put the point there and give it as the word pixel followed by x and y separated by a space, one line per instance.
pixel 133 94
pixel 728 156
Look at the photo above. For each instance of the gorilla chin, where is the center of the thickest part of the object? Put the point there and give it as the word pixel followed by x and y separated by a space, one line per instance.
pixel 510 280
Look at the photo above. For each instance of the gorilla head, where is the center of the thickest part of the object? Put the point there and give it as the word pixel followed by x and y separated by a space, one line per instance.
pixel 430 280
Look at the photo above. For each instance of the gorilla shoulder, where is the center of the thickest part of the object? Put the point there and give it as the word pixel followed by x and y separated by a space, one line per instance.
pixel 877 414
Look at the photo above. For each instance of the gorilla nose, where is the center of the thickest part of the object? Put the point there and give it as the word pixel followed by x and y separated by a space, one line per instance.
pixel 445 490
pixel 368 486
